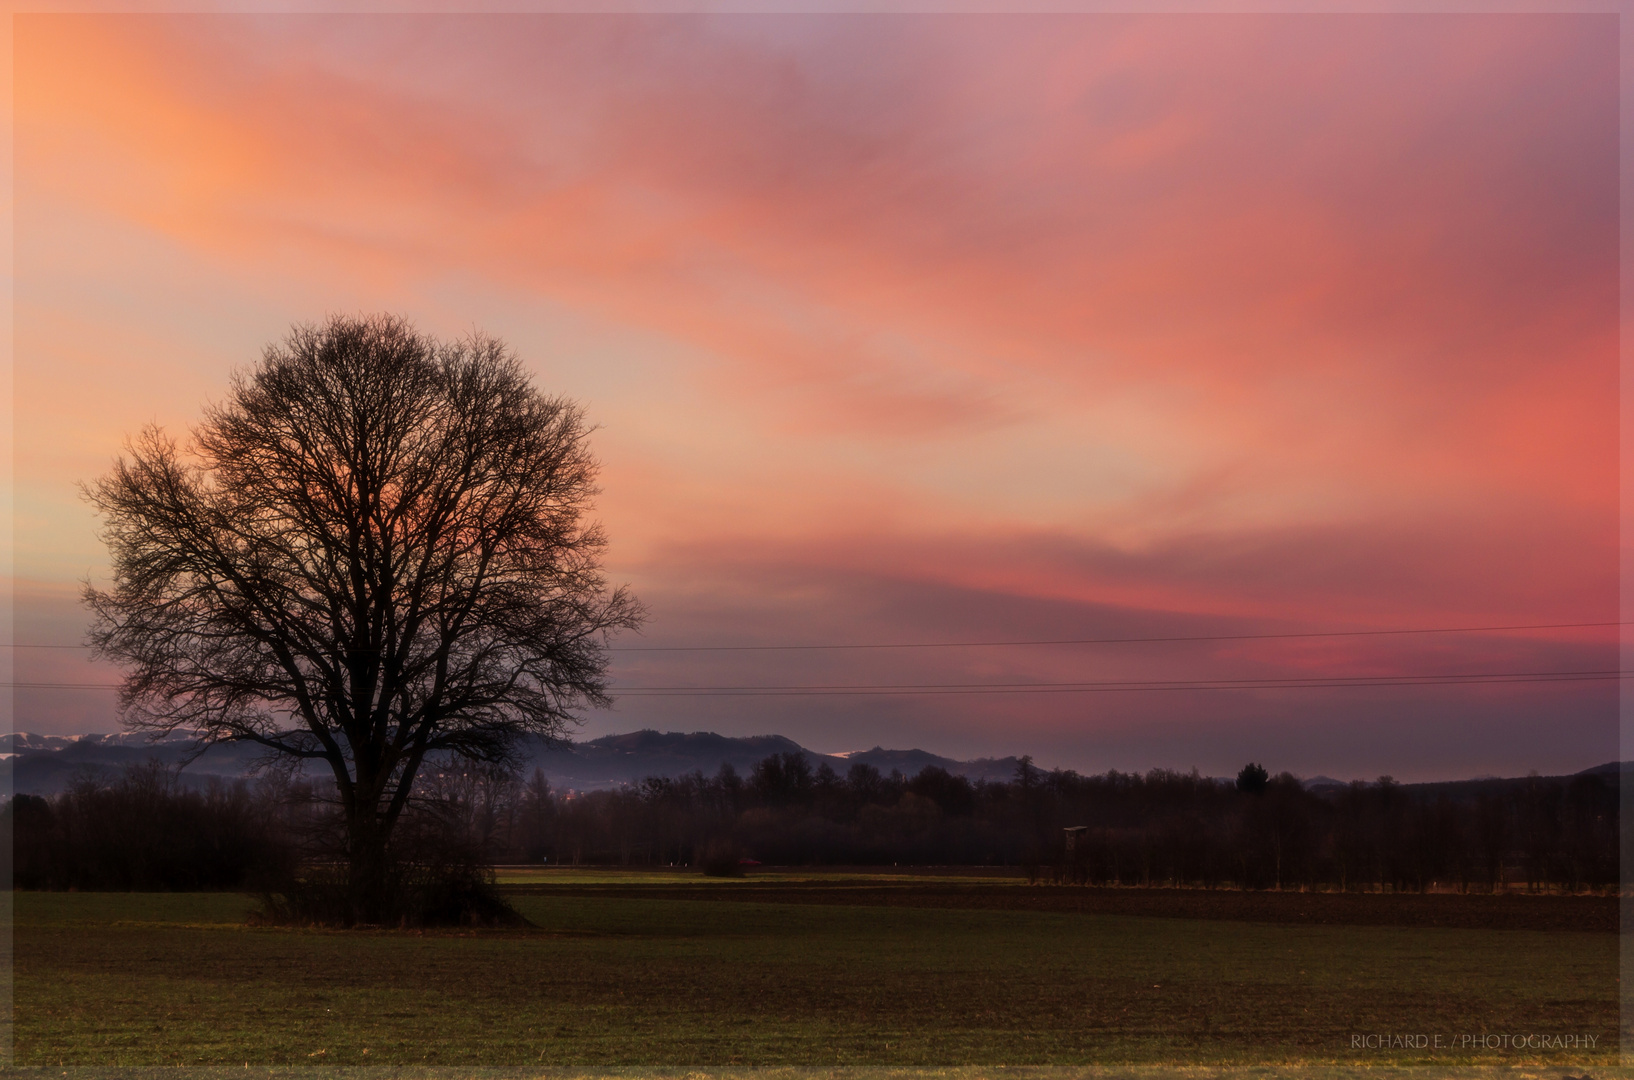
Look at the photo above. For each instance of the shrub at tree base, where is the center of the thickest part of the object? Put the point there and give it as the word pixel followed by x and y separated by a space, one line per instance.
pixel 418 896
pixel 434 875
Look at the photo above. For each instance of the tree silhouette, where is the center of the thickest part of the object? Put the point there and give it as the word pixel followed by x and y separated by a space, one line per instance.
pixel 1253 779
pixel 374 550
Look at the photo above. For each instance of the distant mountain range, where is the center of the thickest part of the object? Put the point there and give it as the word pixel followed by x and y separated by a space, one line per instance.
pixel 45 764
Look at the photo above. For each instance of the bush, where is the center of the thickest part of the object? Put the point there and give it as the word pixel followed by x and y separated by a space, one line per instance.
pixel 435 875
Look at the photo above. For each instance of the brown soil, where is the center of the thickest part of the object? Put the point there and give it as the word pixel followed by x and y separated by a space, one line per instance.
pixel 1510 911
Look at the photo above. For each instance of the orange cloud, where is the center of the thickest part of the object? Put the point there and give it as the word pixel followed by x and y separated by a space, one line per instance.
pixel 1310 319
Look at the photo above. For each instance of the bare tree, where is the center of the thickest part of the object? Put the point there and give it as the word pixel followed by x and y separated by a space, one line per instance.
pixel 374 550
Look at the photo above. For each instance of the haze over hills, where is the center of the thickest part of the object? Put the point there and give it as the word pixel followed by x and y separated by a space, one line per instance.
pixel 45 764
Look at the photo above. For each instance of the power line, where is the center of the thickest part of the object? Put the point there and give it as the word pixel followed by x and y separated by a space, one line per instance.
pixel 1272 683
pixel 1059 641
pixel 1119 640
pixel 1268 683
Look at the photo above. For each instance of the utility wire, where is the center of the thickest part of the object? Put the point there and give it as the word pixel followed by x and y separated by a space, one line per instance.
pixel 1071 641
pixel 1123 641
pixel 1269 683
pixel 1118 640
pixel 1061 641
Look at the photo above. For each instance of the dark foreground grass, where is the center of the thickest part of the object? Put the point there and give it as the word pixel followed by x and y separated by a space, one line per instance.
pixel 120 979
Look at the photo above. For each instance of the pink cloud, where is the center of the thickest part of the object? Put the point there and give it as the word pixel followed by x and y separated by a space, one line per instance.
pixel 1300 319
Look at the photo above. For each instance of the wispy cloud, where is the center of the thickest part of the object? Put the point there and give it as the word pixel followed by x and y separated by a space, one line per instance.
pixel 1289 318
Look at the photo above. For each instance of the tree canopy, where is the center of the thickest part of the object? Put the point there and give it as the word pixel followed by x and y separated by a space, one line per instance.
pixel 375 549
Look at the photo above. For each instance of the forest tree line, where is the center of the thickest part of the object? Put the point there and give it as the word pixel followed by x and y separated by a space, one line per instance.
pixel 144 829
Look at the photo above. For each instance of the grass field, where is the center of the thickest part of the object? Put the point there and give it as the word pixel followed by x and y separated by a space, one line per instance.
pixel 141 979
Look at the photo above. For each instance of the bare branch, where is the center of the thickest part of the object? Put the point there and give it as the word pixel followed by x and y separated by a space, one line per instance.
pixel 374 549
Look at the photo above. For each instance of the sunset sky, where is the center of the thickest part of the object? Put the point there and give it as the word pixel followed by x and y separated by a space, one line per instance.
pixel 913 329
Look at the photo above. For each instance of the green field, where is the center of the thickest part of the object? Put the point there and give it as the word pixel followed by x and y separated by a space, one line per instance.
pixel 143 979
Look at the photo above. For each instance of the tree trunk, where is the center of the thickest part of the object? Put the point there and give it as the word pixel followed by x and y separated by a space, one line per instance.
pixel 368 888
pixel 369 883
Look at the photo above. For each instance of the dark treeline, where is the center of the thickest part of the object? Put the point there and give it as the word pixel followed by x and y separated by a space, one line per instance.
pixel 145 831
pixel 1163 828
